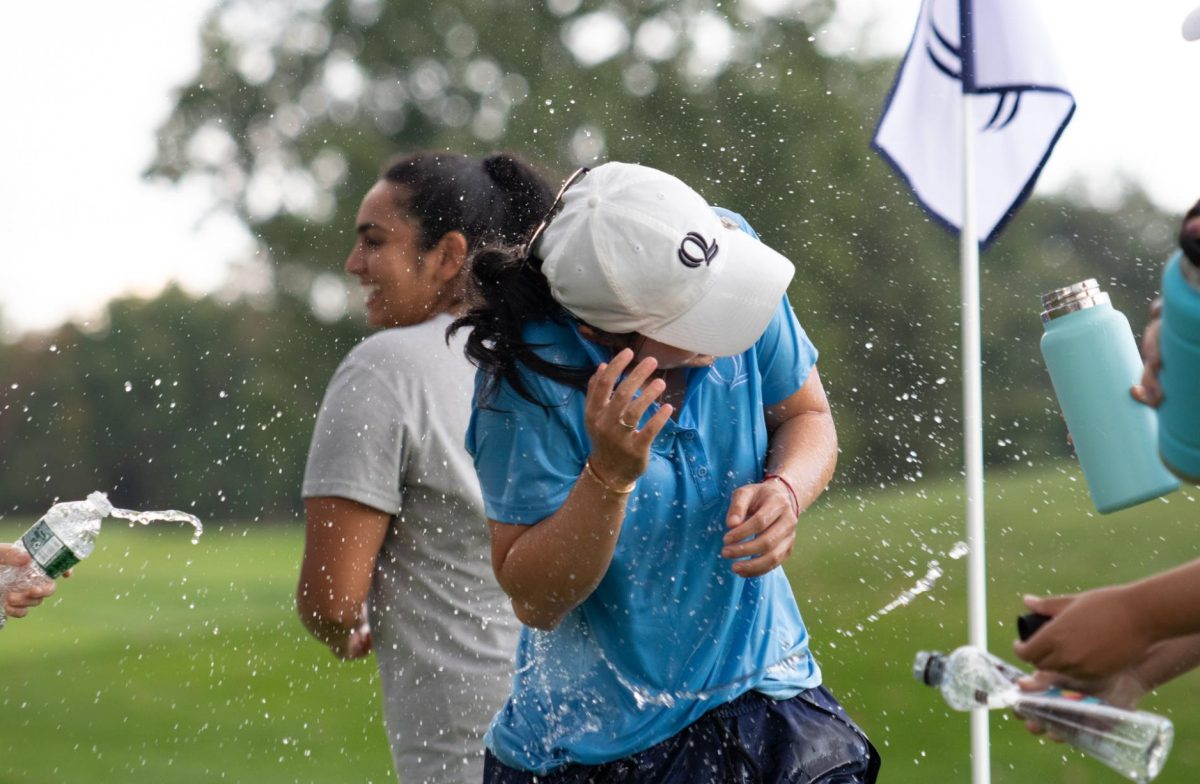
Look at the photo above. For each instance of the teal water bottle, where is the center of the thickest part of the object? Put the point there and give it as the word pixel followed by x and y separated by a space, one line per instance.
pixel 1093 361
pixel 1179 412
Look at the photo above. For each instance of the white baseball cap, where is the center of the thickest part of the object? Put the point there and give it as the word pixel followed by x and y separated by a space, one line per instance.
pixel 1191 25
pixel 634 249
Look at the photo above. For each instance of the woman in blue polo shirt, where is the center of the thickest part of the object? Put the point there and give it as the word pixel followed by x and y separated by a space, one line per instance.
pixel 649 424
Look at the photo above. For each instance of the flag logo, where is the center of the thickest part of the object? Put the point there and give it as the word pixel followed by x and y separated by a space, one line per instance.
pixel 997 52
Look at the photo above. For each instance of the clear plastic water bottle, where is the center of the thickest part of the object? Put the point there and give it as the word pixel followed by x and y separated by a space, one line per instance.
pixel 1133 743
pixel 62 538
pixel 1093 361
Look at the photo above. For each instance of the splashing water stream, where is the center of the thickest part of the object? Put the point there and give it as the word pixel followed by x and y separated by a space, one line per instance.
pixel 168 515
pixel 923 585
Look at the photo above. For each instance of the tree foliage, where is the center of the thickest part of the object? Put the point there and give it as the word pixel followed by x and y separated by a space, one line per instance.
pixel 298 104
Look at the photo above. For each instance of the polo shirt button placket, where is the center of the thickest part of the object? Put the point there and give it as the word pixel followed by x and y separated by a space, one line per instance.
pixel 701 473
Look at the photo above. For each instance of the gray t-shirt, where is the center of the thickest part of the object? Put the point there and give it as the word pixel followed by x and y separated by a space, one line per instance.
pixel 390 435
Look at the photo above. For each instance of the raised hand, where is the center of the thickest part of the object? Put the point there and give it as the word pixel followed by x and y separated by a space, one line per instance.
pixel 620 450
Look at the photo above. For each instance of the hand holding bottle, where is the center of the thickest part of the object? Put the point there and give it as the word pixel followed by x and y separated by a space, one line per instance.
pixel 1133 743
pixel 1091 635
pixel 1121 690
pixel 18 602
pixel 1148 390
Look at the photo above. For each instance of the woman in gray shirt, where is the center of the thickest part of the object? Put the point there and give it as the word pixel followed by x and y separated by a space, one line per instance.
pixel 394 514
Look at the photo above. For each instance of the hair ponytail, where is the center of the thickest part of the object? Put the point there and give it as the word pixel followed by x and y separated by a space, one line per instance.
pixel 497 200
pixel 508 291
pixel 526 196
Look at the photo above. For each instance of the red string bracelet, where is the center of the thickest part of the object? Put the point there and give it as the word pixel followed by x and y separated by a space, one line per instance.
pixel 790 489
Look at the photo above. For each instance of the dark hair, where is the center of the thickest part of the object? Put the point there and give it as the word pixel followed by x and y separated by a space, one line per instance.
pixel 1190 240
pixel 507 291
pixel 498 199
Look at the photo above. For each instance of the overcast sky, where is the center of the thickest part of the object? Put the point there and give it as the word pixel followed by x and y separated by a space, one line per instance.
pixel 85 91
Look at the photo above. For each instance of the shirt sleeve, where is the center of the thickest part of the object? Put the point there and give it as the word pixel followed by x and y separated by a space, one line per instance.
pixel 358 444
pixel 786 356
pixel 527 457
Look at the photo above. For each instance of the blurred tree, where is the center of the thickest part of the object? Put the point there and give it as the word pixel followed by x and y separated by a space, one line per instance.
pixel 297 105
pixel 175 402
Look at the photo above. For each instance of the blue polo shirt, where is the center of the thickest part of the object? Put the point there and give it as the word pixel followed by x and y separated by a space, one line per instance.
pixel 670 632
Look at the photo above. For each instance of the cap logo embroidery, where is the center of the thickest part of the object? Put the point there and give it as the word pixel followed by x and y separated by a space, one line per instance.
pixel 695 250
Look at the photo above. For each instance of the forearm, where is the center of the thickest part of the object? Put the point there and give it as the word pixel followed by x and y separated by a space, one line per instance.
pixel 342 542
pixel 1167 605
pixel 1168 660
pixel 554 565
pixel 803 450
pixel 332 628
pixel 328 617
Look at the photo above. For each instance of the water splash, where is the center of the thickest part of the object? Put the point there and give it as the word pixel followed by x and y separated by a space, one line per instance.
pixel 167 516
pixel 933 573
pixel 644 695
pixel 922 585
pixel 925 584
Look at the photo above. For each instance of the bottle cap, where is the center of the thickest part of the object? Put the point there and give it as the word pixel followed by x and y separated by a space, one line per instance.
pixel 99 502
pixel 1029 623
pixel 928 667
pixel 1060 302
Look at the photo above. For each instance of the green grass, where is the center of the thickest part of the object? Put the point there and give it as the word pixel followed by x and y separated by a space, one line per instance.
pixel 162 661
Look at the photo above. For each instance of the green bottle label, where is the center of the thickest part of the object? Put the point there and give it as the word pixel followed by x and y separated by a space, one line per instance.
pixel 50 552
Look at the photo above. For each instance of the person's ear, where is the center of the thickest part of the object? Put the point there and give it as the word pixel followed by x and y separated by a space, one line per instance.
pixel 447 257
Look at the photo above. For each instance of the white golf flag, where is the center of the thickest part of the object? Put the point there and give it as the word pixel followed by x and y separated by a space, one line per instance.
pixel 997 50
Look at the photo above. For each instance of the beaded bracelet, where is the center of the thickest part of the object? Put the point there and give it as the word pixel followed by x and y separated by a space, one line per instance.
pixel 587 466
pixel 790 489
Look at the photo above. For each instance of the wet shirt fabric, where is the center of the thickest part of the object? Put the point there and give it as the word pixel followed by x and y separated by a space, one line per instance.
pixel 389 435
pixel 670 632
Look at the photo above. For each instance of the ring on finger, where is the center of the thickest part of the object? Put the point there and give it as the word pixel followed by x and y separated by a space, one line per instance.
pixel 621 421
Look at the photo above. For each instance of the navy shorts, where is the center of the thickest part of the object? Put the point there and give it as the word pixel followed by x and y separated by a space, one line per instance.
pixel 808 739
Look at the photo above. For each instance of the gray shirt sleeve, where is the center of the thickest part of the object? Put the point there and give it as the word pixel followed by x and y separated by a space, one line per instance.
pixel 358 443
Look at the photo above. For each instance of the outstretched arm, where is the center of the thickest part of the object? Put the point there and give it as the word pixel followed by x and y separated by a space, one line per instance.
pixel 1099 632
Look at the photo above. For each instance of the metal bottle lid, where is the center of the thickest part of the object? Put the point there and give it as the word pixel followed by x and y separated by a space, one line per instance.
pixel 1078 296
pixel 928 667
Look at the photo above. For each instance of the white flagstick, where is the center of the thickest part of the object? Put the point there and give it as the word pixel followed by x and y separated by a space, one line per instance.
pixel 973 434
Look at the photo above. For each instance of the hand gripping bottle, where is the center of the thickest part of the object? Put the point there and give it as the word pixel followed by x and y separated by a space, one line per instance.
pixel 1093 361
pixel 64 537
pixel 1179 412
pixel 1133 743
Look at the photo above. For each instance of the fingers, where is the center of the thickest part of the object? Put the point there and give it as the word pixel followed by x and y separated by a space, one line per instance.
pixel 1036 648
pixel 762 530
pixel 624 406
pixel 1148 390
pixel 1039 680
pixel 612 401
pixel 1048 605
pixel 13 556
pixel 17 605
pixel 600 385
pixel 644 437
pixel 359 644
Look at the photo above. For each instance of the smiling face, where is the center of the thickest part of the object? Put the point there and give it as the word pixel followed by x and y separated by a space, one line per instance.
pixel 405 284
